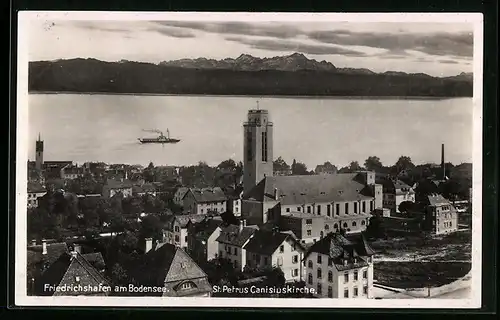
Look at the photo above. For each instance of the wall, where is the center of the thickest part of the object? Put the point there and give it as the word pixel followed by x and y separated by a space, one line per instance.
pixel 252 211
pixel 288 265
pixel 189 203
pixel 338 285
pixel 227 251
pixel 204 208
pixel 212 245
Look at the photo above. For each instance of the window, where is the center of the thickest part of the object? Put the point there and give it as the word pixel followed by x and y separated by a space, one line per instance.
pixel 328 210
pixel 337 209
pixel 265 261
pixel 335 226
pixel 355 275
pixel 346 209
pixel 321 234
pixel 330 262
pixel 282 248
pixel 295 272
pixel 355 207
pixel 346 293
pixel 298 209
pixel 319 210
pixel 185 238
pixel 310 278
pixel 365 290
pixel 365 274
pixel 346 277
pixel 363 222
pixel 345 225
pixel 319 258
pixel 280 261
pixel 308 209
pixel 176 229
pixel 330 276
pixel 220 253
pixel 308 232
pixel 319 288
pixel 355 294
pixel 327 227
pixel 249 145
pixel 371 206
pixel 235 251
pixel 287 209
pixel 309 221
pixel 201 211
pixel 236 263
pixel 186 285
pixel 319 273
pixel 363 206
pixel 310 264
pixel 330 292
pixel 354 223
pixel 176 238
pixel 295 259
pixel 264 146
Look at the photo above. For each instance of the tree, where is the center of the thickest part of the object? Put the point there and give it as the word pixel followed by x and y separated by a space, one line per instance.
pixel 221 271
pixel 148 173
pixel 373 163
pixel 280 165
pixel 119 275
pixel 406 206
pixel 354 166
pixel 454 189
pixel 375 228
pixel 299 168
pixel 151 227
pixel 403 163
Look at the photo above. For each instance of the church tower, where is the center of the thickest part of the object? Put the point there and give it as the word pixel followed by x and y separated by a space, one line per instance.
pixel 39 154
pixel 258 148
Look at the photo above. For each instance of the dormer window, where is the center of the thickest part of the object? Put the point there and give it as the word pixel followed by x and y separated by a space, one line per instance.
pixel 77 279
pixel 186 285
pixel 345 262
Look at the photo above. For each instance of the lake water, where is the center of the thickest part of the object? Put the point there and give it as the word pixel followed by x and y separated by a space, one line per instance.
pixel 106 127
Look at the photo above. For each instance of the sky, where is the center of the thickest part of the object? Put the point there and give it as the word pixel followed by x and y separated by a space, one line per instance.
pixel 438 49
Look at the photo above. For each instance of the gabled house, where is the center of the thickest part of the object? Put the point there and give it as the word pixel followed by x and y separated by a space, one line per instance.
pixel 175 229
pixel 179 195
pixel 440 215
pixel 169 267
pixel 232 241
pixel 271 249
pixel 234 200
pixel 205 200
pixel 35 191
pixel 71 172
pixel 202 245
pixel 340 266
pixel 72 275
pixel 113 187
pixel 395 192
pixel 144 189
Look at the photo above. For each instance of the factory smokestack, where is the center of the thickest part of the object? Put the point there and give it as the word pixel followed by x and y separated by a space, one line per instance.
pixel 443 168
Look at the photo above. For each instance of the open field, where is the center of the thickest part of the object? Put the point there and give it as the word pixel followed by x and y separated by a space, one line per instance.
pixel 408 275
pixel 454 247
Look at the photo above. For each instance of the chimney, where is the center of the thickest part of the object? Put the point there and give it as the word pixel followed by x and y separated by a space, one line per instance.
pixel 33 242
pixel 44 246
pixel 77 248
pixel 242 224
pixel 442 162
pixel 149 244
pixel 276 194
pixel 73 255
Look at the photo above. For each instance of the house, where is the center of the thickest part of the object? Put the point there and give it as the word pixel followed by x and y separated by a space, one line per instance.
pixel 340 266
pixel 347 198
pixel 234 200
pixel 395 192
pixel 40 257
pixel 72 275
pixel 175 229
pixel 71 172
pixel 113 187
pixel 53 169
pixel 232 241
pixel 440 215
pixel 179 195
pixel 202 245
pixel 144 189
pixel 326 168
pixel 205 200
pixel 269 249
pixel 35 191
pixel 170 268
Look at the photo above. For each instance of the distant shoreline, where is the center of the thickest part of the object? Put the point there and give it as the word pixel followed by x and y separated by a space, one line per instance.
pixel 253 96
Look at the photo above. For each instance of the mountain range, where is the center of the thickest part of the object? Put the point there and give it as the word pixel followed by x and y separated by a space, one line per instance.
pixel 294 74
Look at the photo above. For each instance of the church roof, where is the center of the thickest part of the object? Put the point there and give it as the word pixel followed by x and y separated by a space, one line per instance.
pixel 309 189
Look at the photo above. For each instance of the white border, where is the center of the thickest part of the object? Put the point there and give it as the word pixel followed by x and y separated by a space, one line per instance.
pixel 21 299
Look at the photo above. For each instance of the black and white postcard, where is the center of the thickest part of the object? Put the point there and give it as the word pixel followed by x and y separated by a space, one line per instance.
pixel 249 160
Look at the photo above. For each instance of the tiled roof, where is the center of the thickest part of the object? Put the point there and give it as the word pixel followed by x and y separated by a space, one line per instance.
pixel 185 219
pixel 54 251
pixel 309 189
pixel 395 186
pixel 207 195
pixel 182 191
pixel 71 269
pixel 118 184
pixel 147 187
pixel 204 229
pixel 345 251
pixel 73 170
pixel 437 200
pixel 168 264
pixel 265 242
pixel 233 236
pixel 95 259
pixel 35 187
